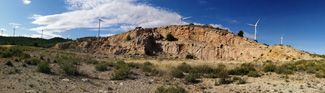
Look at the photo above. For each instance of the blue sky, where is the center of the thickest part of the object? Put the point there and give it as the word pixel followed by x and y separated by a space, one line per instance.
pixel 302 22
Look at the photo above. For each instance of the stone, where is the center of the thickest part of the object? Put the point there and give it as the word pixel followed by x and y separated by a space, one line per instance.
pixel 204 42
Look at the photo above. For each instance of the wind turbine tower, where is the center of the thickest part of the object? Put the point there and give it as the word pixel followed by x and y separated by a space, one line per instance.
pixel 42 33
pixel 14 31
pixel 181 19
pixel 282 40
pixel 2 32
pixel 255 26
pixel 99 20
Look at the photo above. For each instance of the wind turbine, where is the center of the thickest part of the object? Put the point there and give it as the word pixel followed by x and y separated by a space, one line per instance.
pixel 255 26
pixel 282 40
pixel 99 20
pixel 181 19
pixel 1 32
pixel 42 33
pixel 14 31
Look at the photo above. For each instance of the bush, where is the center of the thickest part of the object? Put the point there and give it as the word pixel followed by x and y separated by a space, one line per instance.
pixel 121 73
pixel 101 66
pixel 170 37
pixel 110 64
pixel 244 69
pixel 241 81
pixel 33 61
pixel 191 78
pixel 253 74
pixel 43 67
pixel 240 33
pixel 236 78
pixel 177 73
pixel 148 67
pixel 176 89
pixel 189 56
pixel 320 75
pixel 68 65
pixel 9 64
pixel 269 68
pixel 14 51
pixel 184 67
pixel 202 69
pixel 285 69
pixel 128 38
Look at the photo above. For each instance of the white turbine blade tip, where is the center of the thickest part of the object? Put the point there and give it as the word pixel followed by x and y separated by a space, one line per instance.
pixel 187 17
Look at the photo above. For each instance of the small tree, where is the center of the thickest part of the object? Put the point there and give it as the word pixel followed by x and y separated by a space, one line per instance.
pixel 170 37
pixel 128 38
pixel 240 33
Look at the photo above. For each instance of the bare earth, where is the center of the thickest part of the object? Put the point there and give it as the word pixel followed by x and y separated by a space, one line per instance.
pixel 27 79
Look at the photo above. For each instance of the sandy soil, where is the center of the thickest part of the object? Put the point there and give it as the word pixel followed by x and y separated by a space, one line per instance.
pixel 20 79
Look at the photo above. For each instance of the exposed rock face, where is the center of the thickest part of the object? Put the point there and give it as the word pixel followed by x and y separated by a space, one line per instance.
pixel 204 42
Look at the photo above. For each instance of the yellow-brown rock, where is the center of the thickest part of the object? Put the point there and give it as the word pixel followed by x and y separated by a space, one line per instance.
pixel 204 42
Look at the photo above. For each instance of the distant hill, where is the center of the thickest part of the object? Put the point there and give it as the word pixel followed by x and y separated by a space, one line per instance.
pixel 187 41
pixel 28 41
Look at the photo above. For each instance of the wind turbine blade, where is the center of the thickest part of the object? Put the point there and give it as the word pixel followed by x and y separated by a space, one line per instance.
pixel 251 24
pixel 187 17
pixel 257 21
pixel 178 16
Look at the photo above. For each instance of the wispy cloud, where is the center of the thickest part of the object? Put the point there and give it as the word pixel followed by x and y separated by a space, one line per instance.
pixel 122 13
pixel 107 35
pixel 202 2
pixel 14 25
pixel 26 2
pixel 248 35
pixel 118 15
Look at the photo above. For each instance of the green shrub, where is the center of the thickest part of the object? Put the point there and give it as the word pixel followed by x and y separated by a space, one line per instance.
pixel 110 64
pixel 43 67
pixel 68 64
pixel 241 81
pixel 121 73
pixel 269 68
pixel 177 73
pixel 101 66
pixel 191 78
pixel 184 67
pixel 203 69
pixel 9 64
pixel 176 89
pixel 170 37
pixel 240 33
pixel 13 51
pixel 253 74
pixel 128 38
pixel 133 65
pixel 244 69
pixel 320 74
pixel 236 78
pixel 33 61
pixel 148 67
pixel 189 56
pixel 285 69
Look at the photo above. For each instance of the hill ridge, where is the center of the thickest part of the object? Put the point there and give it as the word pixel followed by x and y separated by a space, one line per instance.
pixel 202 41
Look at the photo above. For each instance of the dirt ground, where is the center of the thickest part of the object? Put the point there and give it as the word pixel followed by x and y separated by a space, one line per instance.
pixel 20 79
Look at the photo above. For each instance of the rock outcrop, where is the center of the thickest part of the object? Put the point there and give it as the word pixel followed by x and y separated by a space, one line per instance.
pixel 204 42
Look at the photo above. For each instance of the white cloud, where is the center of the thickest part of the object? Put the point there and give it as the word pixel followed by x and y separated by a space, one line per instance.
pixel 202 2
pixel 2 29
pixel 106 35
pixel 118 15
pixel 127 14
pixel 250 36
pixel 14 25
pixel 26 2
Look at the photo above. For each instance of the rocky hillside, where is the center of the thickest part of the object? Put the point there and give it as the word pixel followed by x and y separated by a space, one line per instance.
pixel 204 42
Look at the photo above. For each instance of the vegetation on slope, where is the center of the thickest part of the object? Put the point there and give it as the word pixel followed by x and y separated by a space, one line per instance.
pixel 27 41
